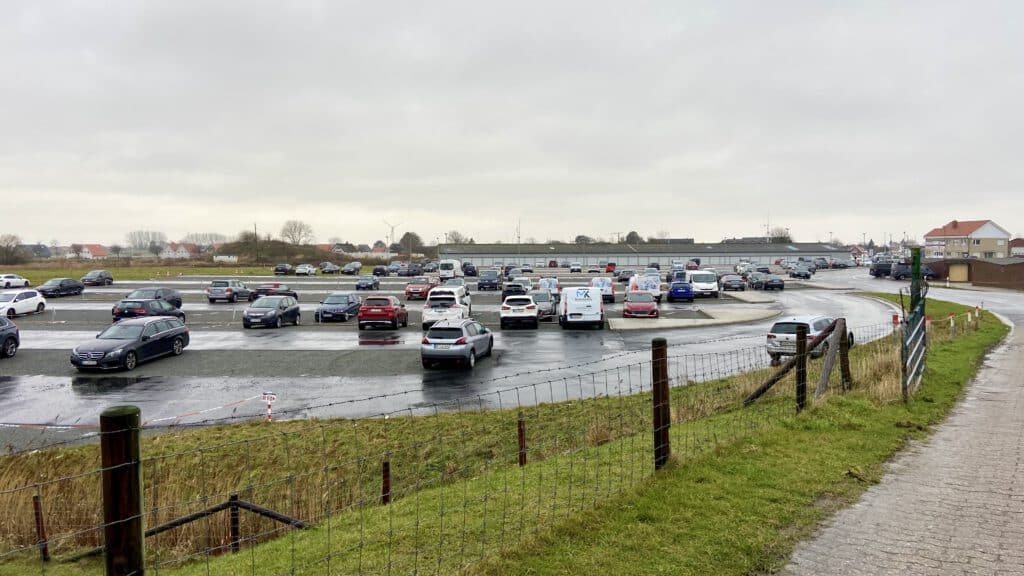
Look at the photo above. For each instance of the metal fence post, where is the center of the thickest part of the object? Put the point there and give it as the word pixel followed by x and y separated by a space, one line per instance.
pixel 235 530
pixel 521 434
pixel 385 486
pixel 41 542
pixel 122 490
pixel 801 367
pixel 660 401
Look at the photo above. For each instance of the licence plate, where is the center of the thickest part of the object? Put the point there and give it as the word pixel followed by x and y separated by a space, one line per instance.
pixel 374 309
pixel 255 321
pixel 326 314
pixel 575 315
pixel 519 309
pixel 442 346
pixel 88 362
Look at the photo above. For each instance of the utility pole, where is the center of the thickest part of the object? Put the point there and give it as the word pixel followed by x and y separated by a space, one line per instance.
pixel 256 238
pixel 618 236
pixel 519 241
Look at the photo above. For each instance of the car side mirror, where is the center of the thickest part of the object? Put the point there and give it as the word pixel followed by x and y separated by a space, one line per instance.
pixel 145 338
pixel 321 301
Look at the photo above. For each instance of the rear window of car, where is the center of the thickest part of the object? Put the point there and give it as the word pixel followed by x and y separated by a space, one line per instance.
pixel 518 301
pixel 219 283
pixel 444 333
pixel 444 301
pixel 130 304
pixel 786 327
pixel 489 274
pixel 703 277
pixel 542 297
pixel 639 297
pixel 377 302
pixel 604 282
pixel 681 285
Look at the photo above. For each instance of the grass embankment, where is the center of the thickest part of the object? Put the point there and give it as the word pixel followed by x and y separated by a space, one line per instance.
pixel 461 503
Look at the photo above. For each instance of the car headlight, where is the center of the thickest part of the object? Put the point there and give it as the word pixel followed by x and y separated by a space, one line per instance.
pixel 115 353
pixel 74 351
pixel 268 313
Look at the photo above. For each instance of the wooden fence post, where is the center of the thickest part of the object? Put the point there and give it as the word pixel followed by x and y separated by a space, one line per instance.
pixel 801 367
pixel 844 355
pixel 122 491
pixel 660 401
pixel 41 542
pixel 385 486
pixel 521 433
pixel 235 530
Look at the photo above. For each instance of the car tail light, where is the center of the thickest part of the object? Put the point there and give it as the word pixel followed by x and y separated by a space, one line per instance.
pixel 771 336
pixel 113 310
pixel 139 310
pixel 531 307
pixel 424 341
pixel 503 307
pixel 461 340
pixel 229 290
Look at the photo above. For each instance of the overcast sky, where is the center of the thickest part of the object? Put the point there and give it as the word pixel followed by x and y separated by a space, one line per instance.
pixel 700 119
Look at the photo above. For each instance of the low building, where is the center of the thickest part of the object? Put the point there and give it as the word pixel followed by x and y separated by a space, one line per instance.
pixel 179 251
pixel 86 251
pixel 989 272
pixel 1017 247
pixel 967 239
pixel 637 255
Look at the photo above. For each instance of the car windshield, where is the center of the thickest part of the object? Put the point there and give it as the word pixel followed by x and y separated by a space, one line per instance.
pixel 444 333
pixel 639 297
pixel 377 302
pixel 336 300
pixel 93 274
pixel 420 280
pixel 267 302
pixel 489 274
pixel 7 297
pixel 680 285
pixel 774 277
pixel 787 327
pixel 440 302
pixel 367 278
pixel 542 297
pixel 703 277
pixel 122 332
pixel 518 301
pixel 513 286
pixel 456 282
pixel 143 293
pixel 219 283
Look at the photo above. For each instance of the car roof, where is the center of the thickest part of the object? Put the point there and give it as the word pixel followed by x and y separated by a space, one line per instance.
pixel 452 323
pixel 806 319
pixel 144 320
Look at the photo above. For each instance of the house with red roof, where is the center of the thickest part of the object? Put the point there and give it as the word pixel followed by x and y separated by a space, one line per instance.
pixel 179 251
pixel 94 252
pixel 968 239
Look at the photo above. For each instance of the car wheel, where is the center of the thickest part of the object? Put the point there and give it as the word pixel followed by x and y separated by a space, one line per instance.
pixel 277 322
pixel 503 324
pixel 536 324
pixel 178 347
pixel 405 322
pixel 130 361
pixel 298 319
pixel 40 308
pixel 10 313
pixel 849 339
pixel 234 298
pixel 10 348
pixel 394 324
pixel 362 326
pixel 471 361
pixel 426 363
pixel 490 346
pixel 211 300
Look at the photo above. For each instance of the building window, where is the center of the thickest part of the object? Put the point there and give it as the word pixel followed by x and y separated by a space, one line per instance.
pixel 990 254
pixel 1001 242
pixel 977 242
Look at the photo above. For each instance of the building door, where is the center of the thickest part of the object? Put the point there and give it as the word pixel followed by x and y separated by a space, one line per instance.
pixel 958 272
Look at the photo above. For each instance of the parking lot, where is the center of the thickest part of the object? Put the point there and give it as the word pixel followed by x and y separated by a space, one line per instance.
pixel 226 367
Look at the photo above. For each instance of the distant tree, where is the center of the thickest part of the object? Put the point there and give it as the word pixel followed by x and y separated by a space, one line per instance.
pixel 455 237
pixel 141 239
pixel 633 238
pixel 550 241
pixel 204 238
pixel 76 249
pixel 379 244
pixel 297 232
pixel 470 241
pixel 411 241
pixel 396 248
pixel 583 239
pixel 116 250
pixel 155 248
pixel 871 244
pixel 10 249
pixel 780 235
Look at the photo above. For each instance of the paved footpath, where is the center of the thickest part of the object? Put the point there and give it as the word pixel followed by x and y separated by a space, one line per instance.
pixel 953 505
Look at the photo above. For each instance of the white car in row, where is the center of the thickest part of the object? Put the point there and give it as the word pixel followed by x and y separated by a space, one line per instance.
pixel 17 302
pixel 13 281
pixel 446 303
pixel 519 310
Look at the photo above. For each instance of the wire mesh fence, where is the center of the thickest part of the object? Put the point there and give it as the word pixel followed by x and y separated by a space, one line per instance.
pixel 430 488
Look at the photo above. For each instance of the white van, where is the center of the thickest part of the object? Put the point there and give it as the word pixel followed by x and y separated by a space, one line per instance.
pixel 446 303
pixel 646 283
pixel 580 306
pixel 450 269
pixel 606 287
pixel 704 283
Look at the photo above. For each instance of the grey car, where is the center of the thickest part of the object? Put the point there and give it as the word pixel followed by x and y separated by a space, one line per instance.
pixel 461 341
pixel 545 304
pixel 229 290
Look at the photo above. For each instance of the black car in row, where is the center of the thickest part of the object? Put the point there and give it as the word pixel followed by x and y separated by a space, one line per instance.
pixel 169 295
pixel 10 338
pixel 130 342
pixel 135 307
pixel 98 278
pixel 56 287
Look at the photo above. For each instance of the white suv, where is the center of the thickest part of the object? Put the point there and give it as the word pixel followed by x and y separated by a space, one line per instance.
pixel 446 303
pixel 519 310
pixel 781 340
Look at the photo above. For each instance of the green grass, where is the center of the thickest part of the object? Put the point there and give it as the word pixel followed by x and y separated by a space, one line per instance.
pixel 745 484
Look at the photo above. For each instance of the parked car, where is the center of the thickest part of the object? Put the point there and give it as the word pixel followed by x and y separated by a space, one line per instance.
pixel 774 282
pixel 552 263
pixel 526 269
pixel 656 266
pixel 680 290
pixel 169 295
pixel 429 267
pixel 329 268
pixel 703 282
pixel 649 283
pixel 393 268
pixel 13 281
pixel 512 289
pixel 352 268
pixel 525 281
pixel 131 342
pixel 272 311
pixel 732 282
pixel 623 276
pixel 800 272
pixel 10 338
pixel 337 306
pixel 575 267
pixel 446 303
pixel 609 267
pixel 98 278
pixel 547 304
pixel 519 310
pixel 639 305
pixel 275 289
pixel 489 280
pixel 595 269
pixel 512 273
pixel 606 287
pixel 755 280
pixel 905 271
pixel 370 282
pixel 135 307
pixel 386 310
pixel 457 281
pixel 781 339
pixel 462 341
pixel 284 270
pixel 564 264
pixel 411 269
pixel 55 287
pixel 469 269
pixel 381 270
pixel 229 290
pixel 763 269
pixel 305 270
pixel 581 305
pixel 418 288
pixel 17 302
pixel 551 286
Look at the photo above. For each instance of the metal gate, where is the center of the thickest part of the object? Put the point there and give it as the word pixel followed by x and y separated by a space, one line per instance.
pixel 914 345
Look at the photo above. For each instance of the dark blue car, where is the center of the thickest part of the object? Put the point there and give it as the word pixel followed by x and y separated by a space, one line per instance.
pixel 680 291
pixel 337 306
pixel 10 338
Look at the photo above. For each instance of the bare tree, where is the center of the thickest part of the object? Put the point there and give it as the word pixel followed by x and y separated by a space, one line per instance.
pixel 204 238
pixel 297 232
pixel 155 248
pixel 142 239
pixel 116 250
pixel 455 237
pixel 780 235
pixel 633 237
pixel 76 249
pixel 10 249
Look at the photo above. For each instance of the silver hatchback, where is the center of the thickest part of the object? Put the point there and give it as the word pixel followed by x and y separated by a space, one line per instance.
pixel 461 341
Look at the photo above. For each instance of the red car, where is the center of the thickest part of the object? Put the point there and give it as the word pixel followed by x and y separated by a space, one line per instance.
pixel 418 287
pixel 609 267
pixel 385 310
pixel 639 305
pixel 275 289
